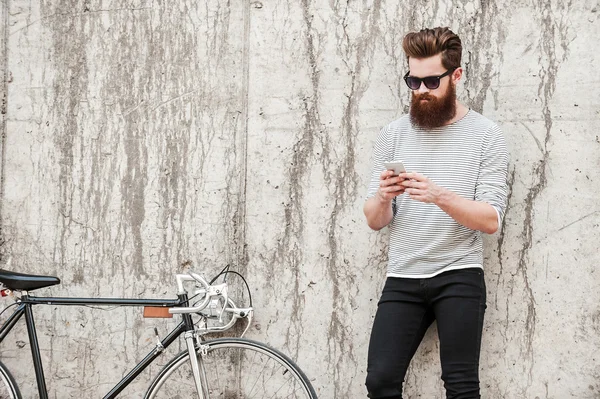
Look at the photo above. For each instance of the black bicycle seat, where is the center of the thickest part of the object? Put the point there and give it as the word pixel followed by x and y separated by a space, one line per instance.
pixel 26 282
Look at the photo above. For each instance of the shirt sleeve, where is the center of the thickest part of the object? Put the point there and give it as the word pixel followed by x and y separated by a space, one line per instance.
pixel 382 152
pixel 492 185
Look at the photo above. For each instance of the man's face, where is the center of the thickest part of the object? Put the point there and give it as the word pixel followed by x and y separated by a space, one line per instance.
pixel 431 108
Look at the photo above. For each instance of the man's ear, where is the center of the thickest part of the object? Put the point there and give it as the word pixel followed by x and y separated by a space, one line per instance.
pixel 457 74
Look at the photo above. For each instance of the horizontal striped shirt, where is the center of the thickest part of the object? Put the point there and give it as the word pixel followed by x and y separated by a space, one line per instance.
pixel 468 157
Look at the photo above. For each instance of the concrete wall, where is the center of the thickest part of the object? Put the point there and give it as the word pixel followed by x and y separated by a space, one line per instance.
pixel 140 136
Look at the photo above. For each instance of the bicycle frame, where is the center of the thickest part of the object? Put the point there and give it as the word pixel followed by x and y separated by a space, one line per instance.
pixel 27 302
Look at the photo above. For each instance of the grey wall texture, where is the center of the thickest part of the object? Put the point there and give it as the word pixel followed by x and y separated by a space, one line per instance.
pixel 143 136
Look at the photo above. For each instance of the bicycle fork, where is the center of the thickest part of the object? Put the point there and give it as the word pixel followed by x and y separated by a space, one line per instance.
pixel 197 362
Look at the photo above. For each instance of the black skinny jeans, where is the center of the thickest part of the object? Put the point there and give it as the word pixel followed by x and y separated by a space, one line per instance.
pixel 456 299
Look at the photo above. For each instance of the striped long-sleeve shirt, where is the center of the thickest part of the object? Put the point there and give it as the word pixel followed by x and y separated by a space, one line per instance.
pixel 468 157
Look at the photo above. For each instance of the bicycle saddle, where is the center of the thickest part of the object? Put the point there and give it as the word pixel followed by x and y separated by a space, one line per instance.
pixel 26 282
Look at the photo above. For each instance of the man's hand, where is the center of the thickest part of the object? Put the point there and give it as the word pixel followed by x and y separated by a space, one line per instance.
pixel 390 186
pixel 420 188
pixel 378 209
pixel 470 213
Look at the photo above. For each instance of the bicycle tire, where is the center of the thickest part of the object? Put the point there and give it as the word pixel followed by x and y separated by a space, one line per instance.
pixel 8 386
pixel 235 368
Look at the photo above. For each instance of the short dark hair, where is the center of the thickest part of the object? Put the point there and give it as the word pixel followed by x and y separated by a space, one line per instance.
pixel 429 42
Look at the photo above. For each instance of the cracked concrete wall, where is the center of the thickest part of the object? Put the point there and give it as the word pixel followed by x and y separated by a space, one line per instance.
pixel 143 136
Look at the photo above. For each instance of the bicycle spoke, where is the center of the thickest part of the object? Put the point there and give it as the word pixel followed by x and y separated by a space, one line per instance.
pixel 237 369
pixel 291 393
pixel 261 373
pixel 282 384
pixel 253 359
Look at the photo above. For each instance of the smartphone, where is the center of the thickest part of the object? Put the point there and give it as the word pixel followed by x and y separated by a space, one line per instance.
pixel 396 166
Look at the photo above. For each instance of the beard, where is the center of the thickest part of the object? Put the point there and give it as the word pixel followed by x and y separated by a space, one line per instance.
pixel 435 112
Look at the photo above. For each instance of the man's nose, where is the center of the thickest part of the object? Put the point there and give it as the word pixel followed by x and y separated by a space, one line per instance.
pixel 422 89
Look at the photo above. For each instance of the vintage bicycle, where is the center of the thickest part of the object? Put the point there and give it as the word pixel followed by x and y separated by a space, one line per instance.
pixel 221 368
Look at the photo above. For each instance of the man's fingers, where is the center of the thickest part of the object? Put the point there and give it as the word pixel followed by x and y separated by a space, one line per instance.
pixel 413 176
pixel 414 184
pixel 390 182
pixel 391 191
pixel 414 192
pixel 386 174
pixel 392 188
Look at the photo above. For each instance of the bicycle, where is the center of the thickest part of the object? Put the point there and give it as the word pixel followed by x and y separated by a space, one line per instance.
pixel 221 368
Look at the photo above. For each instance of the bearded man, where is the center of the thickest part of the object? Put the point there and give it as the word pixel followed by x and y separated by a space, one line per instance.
pixel 455 189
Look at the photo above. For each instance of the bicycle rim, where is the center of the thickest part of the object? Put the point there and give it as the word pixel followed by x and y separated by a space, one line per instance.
pixel 8 387
pixel 235 368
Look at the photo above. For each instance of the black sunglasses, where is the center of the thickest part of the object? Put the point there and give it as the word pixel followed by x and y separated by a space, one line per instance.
pixel 431 82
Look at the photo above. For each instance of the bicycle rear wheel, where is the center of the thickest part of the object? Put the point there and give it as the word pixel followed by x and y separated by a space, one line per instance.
pixel 8 387
pixel 236 368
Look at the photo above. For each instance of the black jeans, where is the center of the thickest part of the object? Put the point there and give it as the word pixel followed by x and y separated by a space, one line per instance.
pixel 456 299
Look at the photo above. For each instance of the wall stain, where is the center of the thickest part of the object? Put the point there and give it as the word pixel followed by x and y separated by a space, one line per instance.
pixel 548 72
pixel 225 125
pixel 345 181
pixel 288 250
pixel 501 235
pixel 483 30
pixel 70 86
pixel 133 183
pixel 173 191
pixel 4 33
pixel 104 162
pixel 242 118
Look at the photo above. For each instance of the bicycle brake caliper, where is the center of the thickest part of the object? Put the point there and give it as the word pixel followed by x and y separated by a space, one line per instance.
pixel 203 349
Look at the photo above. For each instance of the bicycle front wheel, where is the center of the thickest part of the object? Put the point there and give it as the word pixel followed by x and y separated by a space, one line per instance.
pixel 235 368
pixel 8 387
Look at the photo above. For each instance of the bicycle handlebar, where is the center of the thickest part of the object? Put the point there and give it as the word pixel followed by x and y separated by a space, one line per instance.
pixel 209 292
pixel 209 289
